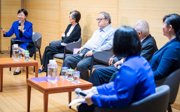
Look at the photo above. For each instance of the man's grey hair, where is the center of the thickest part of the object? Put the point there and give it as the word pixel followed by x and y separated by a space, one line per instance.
pixel 142 26
pixel 106 16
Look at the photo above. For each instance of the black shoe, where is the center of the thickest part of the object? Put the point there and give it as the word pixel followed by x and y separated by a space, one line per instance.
pixel 16 73
pixel 41 70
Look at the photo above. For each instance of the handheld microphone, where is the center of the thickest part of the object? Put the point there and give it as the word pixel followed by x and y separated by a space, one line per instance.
pixel 20 32
pixel 80 92
pixel 19 23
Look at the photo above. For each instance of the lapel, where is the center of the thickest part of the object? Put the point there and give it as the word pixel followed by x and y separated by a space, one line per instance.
pixel 69 26
pixel 75 27
pixel 25 25
pixel 146 39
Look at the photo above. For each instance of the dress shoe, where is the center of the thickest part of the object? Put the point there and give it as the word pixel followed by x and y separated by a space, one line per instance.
pixel 40 70
pixel 16 73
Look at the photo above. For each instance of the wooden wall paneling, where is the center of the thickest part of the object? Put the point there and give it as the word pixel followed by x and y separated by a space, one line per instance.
pixel 0 31
pixel 9 10
pixel 89 11
pixel 45 16
pixel 152 11
pixel 51 17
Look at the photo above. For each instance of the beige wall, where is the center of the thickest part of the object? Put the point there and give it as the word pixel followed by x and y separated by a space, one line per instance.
pixel 50 17
pixel 9 10
pixel 45 16
pixel 151 10
pixel 0 26
pixel 89 10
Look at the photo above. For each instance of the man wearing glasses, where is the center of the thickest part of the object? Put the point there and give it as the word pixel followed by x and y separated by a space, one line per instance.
pixel 101 40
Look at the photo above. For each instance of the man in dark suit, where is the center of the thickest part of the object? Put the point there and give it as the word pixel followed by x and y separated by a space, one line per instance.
pixel 72 33
pixel 148 43
pixel 103 75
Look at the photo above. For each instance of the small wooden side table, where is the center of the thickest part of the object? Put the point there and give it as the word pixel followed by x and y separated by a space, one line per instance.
pixel 9 62
pixel 47 88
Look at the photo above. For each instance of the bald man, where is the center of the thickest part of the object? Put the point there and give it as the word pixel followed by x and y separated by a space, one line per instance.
pixel 103 75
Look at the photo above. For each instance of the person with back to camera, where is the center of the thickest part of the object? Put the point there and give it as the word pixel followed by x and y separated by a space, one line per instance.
pixel 23 30
pixel 133 82
pixel 100 40
pixel 71 34
pixel 103 75
pixel 167 59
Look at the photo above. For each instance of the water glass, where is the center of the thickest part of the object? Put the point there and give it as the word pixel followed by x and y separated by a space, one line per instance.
pixel 20 54
pixel 69 74
pixel 63 72
pixel 26 55
pixel 15 52
pixel 76 76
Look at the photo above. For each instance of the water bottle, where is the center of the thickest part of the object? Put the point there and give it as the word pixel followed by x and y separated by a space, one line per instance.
pixel 26 55
pixel 15 52
pixel 52 76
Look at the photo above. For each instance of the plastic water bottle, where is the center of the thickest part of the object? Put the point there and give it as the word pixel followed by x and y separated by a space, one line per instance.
pixel 52 76
pixel 15 52
pixel 26 55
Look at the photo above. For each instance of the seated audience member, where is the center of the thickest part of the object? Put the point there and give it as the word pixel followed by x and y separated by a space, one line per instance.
pixel 167 59
pixel 133 82
pixel 23 31
pixel 72 33
pixel 100 40
pixel 102 75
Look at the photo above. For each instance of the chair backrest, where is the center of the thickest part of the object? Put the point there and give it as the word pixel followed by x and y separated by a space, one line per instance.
pixel 157 102
pixel 70 47
pixel 103 57
pixel 173 81
pixel 37 38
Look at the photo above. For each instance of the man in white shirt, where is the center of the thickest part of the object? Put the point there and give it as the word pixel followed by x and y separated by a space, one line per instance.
pixel 101 40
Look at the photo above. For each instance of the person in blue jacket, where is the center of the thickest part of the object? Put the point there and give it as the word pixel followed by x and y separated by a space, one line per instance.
pixel 167 59
pixel 23 31
pixel 134 81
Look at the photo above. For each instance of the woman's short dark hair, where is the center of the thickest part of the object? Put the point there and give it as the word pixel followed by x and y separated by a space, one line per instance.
pixel 24 11
pixel 126 42
pixel 174 21
pixel 76 15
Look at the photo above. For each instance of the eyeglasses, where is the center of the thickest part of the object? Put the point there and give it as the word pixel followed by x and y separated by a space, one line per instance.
pixel 100 19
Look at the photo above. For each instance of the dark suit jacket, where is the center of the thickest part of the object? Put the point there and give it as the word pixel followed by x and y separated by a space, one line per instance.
pixel 166 60
pixel 74 36
pixel 148 47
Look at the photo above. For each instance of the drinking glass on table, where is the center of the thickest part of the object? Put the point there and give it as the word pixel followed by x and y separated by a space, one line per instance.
pixel 69 74
pixel 76 76
pixel 63 72
pixel 15 51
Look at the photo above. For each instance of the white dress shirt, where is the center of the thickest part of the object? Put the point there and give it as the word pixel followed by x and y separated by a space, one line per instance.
pixel 101 39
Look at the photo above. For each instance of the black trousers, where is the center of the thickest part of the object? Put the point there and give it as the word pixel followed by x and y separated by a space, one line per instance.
pixel 54 48
pixel 102 75
pixel 83 107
